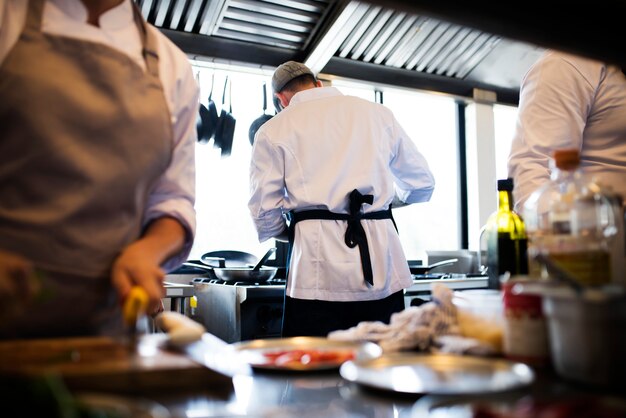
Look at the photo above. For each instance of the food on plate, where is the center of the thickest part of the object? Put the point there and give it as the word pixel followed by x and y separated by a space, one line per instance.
pixel 307 357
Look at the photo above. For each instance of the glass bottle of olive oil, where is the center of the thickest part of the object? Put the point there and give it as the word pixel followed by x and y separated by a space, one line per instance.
pixel 506 238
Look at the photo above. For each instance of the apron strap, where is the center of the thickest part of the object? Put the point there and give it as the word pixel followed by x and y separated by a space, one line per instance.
pixel 34 15
pixel 355 234
pixel 148 41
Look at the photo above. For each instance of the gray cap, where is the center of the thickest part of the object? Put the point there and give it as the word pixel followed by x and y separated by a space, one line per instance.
pixel 287 72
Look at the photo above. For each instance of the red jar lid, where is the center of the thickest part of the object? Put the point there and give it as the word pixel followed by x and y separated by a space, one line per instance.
pixel 513 300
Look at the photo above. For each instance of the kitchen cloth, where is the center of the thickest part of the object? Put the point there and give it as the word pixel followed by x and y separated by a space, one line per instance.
pixel 433 327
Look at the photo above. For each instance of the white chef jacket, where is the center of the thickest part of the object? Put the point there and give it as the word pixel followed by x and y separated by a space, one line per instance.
pixel 174 194
pixel 569 102
pixel 311 156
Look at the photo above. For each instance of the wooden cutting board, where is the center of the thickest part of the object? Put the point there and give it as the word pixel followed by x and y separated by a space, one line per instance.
pixel 106 364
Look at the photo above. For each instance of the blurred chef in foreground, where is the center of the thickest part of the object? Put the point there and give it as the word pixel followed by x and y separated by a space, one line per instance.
pixel 567 101
pixel 333 164
pixel 98 112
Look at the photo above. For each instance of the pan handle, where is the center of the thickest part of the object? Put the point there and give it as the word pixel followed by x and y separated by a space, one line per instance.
pixel 200 266
pixel 264 98
pixel 442 263
pixel 221 261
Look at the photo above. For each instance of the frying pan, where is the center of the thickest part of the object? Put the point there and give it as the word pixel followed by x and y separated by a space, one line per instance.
pixel 207 118
pixel 257 273
pixel 203 124
pixel 418 269
pixel 228 258
pixel 225 130
pixel 256 124
pixel 235 266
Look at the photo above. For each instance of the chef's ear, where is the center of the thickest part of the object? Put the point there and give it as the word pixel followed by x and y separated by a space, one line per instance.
pixel 283 99
pixel 277 106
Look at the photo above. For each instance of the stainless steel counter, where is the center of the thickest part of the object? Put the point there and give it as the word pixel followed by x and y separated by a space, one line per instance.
pixel 327 394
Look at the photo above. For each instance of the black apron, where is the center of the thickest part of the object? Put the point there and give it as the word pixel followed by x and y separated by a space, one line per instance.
pixel 355 234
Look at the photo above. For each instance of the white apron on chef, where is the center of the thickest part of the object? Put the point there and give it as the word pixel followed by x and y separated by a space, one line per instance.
pixel 84 135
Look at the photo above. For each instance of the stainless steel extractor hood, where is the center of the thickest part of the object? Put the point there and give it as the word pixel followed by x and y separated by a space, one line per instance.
pixel 370 41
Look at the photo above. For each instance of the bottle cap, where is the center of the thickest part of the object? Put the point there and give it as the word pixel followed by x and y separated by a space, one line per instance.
pixel 505 184
pixel 566 159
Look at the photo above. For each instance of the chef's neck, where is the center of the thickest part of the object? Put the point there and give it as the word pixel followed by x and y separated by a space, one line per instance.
pixel 95 9
pixel 286 95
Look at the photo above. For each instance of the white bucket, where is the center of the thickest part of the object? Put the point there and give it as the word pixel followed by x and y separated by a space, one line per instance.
pixel 587 335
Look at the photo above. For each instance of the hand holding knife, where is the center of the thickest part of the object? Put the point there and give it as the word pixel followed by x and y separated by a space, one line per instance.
pixel 135 307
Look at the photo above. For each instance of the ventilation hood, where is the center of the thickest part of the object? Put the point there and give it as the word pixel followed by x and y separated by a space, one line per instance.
pixel 367 41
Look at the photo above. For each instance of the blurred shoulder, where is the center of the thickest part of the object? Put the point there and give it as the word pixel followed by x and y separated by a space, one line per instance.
pixel 588 68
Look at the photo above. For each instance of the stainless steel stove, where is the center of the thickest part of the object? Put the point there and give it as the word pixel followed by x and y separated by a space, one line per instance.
pixel 245 311
pixel 239 311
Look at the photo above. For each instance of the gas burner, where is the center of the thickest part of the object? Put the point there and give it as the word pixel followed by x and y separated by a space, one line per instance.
pixel 271 282
pixel 431 276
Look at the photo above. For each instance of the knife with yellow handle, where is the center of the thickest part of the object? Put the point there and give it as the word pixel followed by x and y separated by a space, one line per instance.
pixel 135 306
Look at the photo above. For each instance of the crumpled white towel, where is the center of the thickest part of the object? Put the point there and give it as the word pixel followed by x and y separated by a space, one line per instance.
pixel 426 327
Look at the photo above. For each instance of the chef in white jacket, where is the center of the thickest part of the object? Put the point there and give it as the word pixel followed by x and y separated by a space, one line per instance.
pixel 97 117
pixel 333 164
pixel 568 101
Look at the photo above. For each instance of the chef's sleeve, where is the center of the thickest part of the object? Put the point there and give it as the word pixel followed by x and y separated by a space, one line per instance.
pixel 174 192
pixel 414 180
pixel 267 188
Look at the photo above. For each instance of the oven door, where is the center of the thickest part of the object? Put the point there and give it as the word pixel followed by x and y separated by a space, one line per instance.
pixel 239 313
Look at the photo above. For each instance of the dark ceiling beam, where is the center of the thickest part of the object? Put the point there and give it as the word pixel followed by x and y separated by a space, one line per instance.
pixel 594 30
pixel 396 77
pixel 226 49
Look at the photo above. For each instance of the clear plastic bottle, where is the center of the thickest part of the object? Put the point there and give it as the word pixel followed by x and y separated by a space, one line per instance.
pixel 506 238
pixel 570 221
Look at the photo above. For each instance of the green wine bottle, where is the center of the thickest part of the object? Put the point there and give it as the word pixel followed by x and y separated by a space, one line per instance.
pixel 506 238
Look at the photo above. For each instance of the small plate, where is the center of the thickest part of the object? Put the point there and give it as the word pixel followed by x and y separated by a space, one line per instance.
pixel 437 374
pixel 303 353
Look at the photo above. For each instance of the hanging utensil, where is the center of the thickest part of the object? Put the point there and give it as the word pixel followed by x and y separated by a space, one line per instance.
pixel 258 122
pixel 225 130
pixel 207 118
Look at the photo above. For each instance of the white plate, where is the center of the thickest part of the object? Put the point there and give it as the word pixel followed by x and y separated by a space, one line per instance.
pixel 259 354
pixel 413 373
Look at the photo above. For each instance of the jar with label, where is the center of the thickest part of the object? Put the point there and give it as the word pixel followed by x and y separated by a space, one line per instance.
pixel 571 222
pixel 525 328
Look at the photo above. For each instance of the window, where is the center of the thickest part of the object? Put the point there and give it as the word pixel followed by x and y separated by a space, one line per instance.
pixel 223 220
pixel 504 121
pixel 429 119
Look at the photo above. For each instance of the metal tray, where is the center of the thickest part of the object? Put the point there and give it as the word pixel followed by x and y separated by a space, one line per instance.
pixel 255 352
pixel 443 374
pixel 520 403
